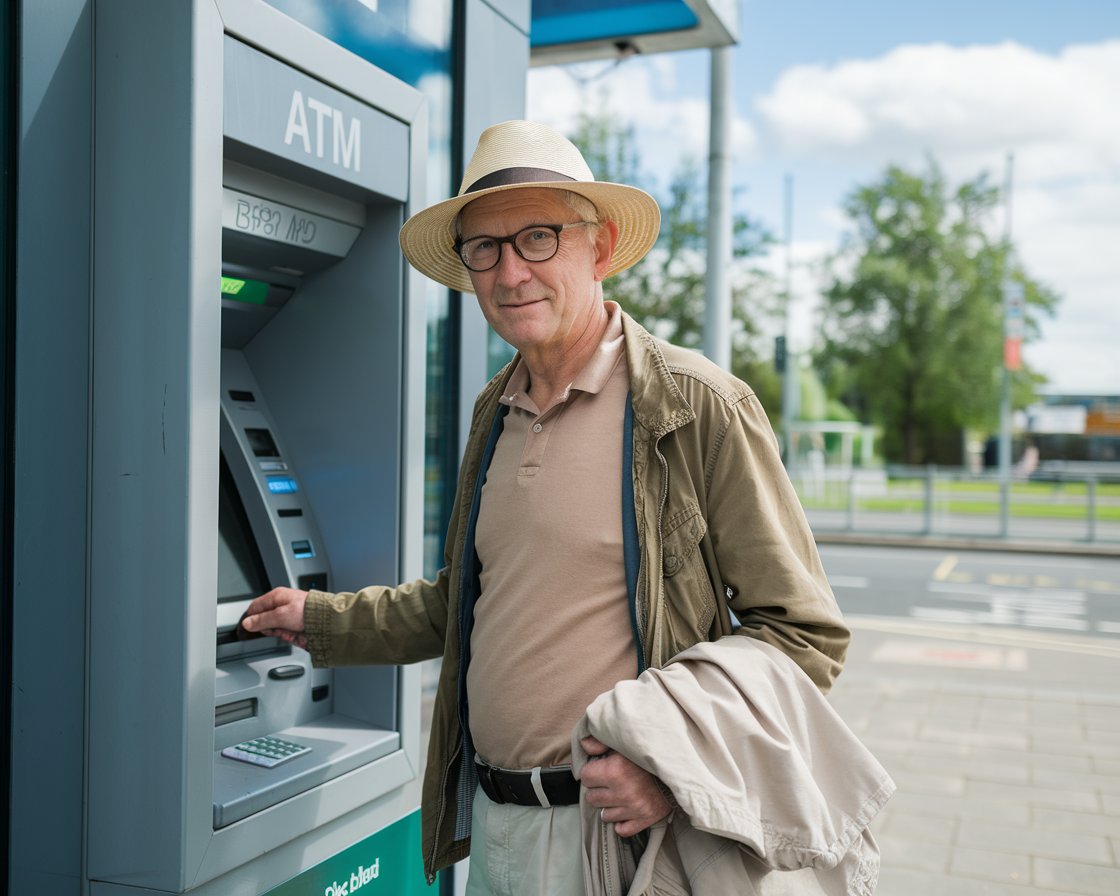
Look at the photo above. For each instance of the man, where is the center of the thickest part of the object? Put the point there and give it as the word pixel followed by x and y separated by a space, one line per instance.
pixel 619 500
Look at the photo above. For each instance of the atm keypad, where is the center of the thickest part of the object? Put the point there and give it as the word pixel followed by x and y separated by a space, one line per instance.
pixel 266 751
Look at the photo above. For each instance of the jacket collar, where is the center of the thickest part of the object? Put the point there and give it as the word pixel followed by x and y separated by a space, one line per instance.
pixel 659 405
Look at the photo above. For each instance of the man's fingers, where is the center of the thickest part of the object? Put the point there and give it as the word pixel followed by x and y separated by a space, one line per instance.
pixel 281 608
pixel 592 746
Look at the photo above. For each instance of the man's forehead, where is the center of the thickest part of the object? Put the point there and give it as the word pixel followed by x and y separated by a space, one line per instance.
pixel 510 203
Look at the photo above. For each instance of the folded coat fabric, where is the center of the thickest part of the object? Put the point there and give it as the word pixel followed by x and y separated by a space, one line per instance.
pixel 775 792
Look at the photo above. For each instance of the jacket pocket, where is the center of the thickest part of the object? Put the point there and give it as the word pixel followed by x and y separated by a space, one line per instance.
pixel 690 603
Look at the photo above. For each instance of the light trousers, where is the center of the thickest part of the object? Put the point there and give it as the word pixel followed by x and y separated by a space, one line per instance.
pixel 524 850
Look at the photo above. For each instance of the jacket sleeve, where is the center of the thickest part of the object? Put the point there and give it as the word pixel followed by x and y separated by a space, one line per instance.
pixel 761 545
pixel 378 625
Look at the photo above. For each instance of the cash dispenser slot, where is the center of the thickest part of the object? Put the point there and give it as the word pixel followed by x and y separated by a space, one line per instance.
pixel 275 224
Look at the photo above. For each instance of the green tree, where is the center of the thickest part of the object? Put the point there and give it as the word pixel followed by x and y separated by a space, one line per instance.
pixel 912 328
pixel 665 291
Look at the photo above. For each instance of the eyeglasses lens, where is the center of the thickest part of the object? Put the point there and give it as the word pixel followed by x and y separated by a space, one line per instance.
pixel 533 244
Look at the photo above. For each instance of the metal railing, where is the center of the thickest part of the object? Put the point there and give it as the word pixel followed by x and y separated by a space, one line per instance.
pixel 950 501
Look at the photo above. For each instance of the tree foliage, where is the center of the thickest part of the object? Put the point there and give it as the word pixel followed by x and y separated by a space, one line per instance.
pixel 912 327
pixel 665 292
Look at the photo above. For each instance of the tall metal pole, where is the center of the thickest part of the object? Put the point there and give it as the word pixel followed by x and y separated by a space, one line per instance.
pixel 1005 394
pixel 717 314
pixel 790 384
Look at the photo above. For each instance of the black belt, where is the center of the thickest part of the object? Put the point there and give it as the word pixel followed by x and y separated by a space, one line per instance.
pixel 557 785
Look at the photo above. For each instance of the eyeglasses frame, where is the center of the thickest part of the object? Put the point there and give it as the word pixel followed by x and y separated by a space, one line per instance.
pixel 512 240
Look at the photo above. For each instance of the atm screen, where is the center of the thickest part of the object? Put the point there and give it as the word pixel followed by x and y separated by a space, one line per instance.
pixel 241 574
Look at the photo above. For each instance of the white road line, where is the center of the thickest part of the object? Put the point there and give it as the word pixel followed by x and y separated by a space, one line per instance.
pixel 992 556
pixel 1112 628
pixel 848 581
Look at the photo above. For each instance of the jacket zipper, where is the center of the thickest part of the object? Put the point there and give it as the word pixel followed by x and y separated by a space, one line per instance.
pixel 431 863
pixel 660 519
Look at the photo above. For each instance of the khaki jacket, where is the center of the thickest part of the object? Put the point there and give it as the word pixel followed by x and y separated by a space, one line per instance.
pixel 775 793
pixel 717 530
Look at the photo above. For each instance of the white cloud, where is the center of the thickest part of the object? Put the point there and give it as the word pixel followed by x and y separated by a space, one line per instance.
pixel 969 102
pixel 644 91
pixel 969 108
pixel 966 107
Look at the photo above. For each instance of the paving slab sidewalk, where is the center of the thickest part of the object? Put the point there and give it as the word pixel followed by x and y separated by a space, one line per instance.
pixel 1005 745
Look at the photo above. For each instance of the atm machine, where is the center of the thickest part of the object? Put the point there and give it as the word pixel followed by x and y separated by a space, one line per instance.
pixel 258 373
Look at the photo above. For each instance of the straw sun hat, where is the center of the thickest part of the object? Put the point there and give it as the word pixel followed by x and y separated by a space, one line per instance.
pixel 514 155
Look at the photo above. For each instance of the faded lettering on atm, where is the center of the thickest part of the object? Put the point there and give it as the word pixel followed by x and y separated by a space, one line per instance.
pixel 324 131
pixel 358 878
pixel 266 220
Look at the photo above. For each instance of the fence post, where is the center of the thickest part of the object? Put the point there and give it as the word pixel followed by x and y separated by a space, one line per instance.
pixel 1091 506
pixel 931 470
pixel 851 499
pixel 1004 506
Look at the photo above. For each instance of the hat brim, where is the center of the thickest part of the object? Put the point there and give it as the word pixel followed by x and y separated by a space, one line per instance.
pixel 428 237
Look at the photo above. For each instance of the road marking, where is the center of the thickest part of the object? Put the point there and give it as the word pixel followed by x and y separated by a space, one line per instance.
pixel 1099 585
pixel 1033 609
pixel 1001 616
pixel 926 629
pixel 955 656
pixel 1008 579
pixel 944 568
pixel 848 581
pixel 1112 628
pixel 991 557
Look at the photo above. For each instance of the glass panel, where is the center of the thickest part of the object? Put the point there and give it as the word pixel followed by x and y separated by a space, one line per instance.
pixel 412 41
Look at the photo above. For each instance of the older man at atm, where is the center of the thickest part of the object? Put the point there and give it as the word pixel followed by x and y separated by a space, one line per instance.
pixel 620 499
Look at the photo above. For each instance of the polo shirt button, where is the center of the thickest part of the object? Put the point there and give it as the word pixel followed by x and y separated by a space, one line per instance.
pixel 537 427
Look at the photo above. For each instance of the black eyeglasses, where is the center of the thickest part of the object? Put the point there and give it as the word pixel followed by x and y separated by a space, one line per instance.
pixel 537 242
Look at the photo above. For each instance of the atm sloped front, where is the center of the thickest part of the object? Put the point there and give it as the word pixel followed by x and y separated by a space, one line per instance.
pixel 339 744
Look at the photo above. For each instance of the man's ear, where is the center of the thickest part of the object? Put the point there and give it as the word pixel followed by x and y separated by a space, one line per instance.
pixel 606 238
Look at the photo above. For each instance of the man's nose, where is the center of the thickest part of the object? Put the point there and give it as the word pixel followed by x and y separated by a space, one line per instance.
pixel 512 268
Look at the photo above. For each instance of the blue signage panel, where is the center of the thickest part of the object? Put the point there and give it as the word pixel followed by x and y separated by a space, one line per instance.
pixel 576 21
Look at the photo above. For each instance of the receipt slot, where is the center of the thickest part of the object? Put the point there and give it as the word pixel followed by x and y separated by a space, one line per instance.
pixel 258 375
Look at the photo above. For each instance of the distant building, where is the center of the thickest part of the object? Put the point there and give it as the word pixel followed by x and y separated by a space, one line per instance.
pixel 1076 426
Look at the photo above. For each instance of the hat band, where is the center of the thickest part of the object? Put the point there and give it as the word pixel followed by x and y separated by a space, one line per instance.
pixel 506 176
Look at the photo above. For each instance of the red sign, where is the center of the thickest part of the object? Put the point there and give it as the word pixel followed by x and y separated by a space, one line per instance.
pixel 1012 359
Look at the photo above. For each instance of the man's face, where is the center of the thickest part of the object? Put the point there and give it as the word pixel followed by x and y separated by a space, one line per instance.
pixel 543 306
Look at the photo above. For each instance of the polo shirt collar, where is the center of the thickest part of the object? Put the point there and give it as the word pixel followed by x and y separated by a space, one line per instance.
pixel 591 379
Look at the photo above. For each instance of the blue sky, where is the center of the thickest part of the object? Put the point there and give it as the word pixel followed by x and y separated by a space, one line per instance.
pixel 830 93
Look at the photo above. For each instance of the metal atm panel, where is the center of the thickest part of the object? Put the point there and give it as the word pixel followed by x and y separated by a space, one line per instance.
pixel 263 687
pixel 168 689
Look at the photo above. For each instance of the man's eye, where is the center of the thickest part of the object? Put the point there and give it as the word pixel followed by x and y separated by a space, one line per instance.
pixel 537 236
pixel 483 244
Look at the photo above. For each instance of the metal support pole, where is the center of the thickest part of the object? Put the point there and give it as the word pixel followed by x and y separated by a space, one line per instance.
pixel 790 384
pixel 717 316
pixel 1005 392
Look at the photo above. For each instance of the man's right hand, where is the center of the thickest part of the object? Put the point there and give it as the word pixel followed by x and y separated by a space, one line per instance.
pixel 278 614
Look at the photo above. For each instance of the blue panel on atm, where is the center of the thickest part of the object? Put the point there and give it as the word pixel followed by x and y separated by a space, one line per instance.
pixel 575 21
pixel 282 485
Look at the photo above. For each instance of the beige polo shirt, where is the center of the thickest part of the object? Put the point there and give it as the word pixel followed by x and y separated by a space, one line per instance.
pixel 552 626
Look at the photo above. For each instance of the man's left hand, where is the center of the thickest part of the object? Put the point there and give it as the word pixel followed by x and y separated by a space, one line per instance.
pixel 627 795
